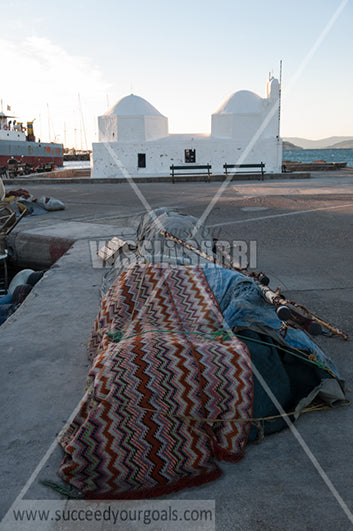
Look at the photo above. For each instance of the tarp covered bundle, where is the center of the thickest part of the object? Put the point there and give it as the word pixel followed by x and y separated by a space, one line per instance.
pixel 296 370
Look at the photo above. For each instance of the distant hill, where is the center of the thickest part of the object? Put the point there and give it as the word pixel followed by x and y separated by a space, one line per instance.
pixel 289 145
pixel 347 144
pixel 324 143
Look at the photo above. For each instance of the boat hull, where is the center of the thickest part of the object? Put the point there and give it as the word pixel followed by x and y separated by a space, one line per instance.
pixel 34 153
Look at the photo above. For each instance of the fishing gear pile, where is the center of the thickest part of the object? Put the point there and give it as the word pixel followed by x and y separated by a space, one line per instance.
pixel 191 360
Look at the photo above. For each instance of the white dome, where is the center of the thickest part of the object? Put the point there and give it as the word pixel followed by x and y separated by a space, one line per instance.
pixel 241 102
pixel 133 106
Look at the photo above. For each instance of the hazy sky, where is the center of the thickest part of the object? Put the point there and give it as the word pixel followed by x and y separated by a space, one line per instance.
pixel 184 57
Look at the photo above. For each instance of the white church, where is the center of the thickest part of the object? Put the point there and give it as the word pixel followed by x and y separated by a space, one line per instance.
pixel 134 139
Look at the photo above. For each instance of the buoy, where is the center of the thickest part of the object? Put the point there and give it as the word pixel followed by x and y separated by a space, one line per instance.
pixel 20 278
pixel 313 328
pixel 34 277
pixel 21 293
pixel 283 312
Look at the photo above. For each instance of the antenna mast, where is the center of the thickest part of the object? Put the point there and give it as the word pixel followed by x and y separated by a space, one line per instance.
pixel 279 96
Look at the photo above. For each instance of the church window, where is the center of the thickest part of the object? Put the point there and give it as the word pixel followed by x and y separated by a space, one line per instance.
pixel 190 155
pixel 141 160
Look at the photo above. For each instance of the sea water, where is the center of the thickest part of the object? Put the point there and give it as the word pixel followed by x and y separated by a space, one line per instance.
pixel 76 164
pixel 328 155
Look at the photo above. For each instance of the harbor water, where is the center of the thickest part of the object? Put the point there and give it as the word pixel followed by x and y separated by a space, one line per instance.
pixel 76 164
pixel 310 155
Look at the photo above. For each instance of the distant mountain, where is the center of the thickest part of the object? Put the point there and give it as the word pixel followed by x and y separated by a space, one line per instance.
pixel 325 143
pixel 289 145
pixel 347 144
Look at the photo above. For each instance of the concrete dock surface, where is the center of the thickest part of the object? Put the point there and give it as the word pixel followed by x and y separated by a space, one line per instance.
pixel 303 234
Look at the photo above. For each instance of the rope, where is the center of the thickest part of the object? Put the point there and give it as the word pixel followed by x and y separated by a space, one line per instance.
pixel 314 407
pixel 61 490
pixel 311 358
pixel 118 336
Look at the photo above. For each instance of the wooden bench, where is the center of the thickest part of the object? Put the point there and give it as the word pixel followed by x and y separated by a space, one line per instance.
pixel 190 170
pixel 247 166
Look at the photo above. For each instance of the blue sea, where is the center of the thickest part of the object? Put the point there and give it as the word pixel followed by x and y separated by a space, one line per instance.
pixel 328 155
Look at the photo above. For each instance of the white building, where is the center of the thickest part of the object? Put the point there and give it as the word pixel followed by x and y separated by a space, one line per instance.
pixel 134 138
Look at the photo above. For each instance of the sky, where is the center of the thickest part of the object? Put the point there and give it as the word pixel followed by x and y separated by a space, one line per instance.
pixel 65 63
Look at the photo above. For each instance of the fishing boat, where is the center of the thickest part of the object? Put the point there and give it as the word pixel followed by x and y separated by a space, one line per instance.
pixel 18 144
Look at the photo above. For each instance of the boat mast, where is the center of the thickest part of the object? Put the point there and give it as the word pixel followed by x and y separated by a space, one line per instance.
pixel 49 123
pixel 82 122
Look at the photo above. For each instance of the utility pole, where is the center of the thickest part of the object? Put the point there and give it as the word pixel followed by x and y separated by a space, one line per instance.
pixel 279 148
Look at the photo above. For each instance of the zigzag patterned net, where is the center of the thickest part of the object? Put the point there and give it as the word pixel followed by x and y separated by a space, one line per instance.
pixel 134 435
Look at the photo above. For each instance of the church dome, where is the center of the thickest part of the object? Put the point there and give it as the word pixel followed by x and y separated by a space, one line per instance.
pixel 133 106
pixel 241 102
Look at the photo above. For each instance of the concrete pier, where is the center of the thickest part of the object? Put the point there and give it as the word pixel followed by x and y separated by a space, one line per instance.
pixel 303 234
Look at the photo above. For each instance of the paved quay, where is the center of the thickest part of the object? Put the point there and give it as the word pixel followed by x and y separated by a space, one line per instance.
pixel 303 237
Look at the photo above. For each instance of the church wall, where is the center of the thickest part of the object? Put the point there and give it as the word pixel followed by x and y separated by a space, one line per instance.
pixel 273 113
pixel 221 125
pixel 242 127
pixel 245 127
pixel 161 154
pixel 107 128
pixel 131 129
pixel 156 127
pixel 141 143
